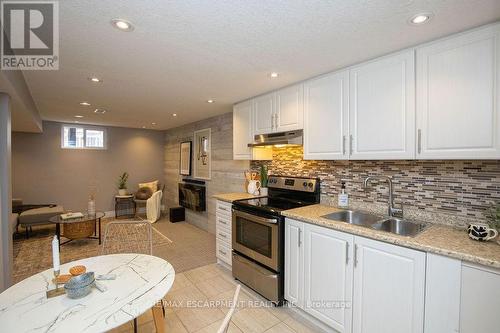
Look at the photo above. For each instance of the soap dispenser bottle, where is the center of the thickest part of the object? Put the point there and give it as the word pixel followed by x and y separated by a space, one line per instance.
pixel 343 197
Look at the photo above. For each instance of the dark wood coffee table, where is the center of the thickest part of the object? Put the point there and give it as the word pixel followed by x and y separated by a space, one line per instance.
pixel 96 219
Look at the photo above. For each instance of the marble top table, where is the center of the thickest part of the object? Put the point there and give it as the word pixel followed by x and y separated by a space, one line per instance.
pixel 142 280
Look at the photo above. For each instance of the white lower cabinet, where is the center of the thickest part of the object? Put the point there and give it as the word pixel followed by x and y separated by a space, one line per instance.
pixel 389 282
pixel 328 276
pixel 294 259
pixel 479 299
pixel 378 289
pixel 442 294
pixel 461 297
pixel 223 245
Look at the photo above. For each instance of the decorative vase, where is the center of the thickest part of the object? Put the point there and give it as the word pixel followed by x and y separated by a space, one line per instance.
pixel 91 207
pixel 263 191
pixel 122 191
pixel 253 187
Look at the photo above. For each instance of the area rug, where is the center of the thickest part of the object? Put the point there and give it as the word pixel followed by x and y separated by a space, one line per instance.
pixel 183 245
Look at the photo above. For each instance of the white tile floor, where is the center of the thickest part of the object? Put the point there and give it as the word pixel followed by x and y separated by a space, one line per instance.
pixel 196 304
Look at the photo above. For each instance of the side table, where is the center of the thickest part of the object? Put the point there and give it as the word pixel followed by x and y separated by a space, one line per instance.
pixel 124 206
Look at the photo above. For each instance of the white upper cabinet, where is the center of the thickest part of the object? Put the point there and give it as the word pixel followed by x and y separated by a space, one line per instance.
pixel 242 130
pixel 264 113
pixel 326 107
pixel 382 108
pixel 289 113
pixel 458 96
pixel 389 287
pixel 279 111
pixel 328 269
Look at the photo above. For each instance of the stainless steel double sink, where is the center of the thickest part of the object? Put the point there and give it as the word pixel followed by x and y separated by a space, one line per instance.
pixel 390 224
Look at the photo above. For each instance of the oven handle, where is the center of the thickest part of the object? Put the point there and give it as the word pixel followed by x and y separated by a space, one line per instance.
pixel 255 218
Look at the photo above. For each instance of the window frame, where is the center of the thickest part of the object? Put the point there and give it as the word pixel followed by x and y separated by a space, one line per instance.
pixel 85 128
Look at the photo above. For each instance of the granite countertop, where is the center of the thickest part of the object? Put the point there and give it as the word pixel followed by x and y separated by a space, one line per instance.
pixel 230 197
pixel 436 238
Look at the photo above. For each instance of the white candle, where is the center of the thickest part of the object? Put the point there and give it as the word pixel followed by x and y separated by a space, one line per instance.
pixel 55 253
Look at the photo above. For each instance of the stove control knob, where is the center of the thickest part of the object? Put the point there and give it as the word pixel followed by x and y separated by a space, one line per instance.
pixel 310 184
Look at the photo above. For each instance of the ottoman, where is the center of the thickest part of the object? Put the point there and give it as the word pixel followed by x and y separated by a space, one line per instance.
pixel 38 216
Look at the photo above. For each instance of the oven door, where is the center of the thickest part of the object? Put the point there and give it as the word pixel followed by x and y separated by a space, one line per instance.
pixel 256 237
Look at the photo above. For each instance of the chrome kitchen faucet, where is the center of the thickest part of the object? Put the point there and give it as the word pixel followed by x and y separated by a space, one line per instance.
pixel 392 210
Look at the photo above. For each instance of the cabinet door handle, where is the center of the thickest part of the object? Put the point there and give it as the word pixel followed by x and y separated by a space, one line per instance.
pixel 276 120
pixel 419 140
pixel 272 121
pixel 355 255
pixel 343 145
pixel 300 236
pixel 346 253
pixel 350 144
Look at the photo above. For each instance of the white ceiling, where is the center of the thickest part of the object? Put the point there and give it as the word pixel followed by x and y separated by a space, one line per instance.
pixel 184 52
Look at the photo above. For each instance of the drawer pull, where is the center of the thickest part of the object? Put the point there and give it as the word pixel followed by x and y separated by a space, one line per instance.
pixel 222 221
pixel 222 235
pixel 223 208
pixel 223 253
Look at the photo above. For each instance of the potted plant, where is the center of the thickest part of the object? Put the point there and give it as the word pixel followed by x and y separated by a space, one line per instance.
pixel 263 180
pixel 122 184
pixel 493 216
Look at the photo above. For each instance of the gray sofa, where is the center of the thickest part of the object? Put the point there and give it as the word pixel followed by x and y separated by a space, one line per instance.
pixel 38 216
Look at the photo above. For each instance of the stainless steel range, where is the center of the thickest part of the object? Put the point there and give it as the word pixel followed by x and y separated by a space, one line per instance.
pixel 258 233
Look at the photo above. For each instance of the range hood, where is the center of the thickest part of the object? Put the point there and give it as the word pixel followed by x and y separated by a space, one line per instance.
pixel 282 138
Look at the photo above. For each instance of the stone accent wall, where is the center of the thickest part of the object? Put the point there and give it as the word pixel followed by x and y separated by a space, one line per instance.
pixel 462 190
pixel 227 175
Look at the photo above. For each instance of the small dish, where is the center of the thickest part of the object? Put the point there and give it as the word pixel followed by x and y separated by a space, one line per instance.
pixel 80 286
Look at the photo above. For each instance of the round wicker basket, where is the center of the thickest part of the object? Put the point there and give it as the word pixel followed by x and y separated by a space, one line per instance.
pixel 78 230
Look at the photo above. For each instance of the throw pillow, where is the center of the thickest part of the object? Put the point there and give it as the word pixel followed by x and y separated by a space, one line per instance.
pixel 143 193
pixel 152 185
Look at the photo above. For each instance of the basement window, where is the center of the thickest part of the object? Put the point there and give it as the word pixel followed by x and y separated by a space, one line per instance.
pixel 83 137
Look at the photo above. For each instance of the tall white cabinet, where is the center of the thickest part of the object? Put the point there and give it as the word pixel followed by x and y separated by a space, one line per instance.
pixel 326 117
pixel 458 96
pixel 382 108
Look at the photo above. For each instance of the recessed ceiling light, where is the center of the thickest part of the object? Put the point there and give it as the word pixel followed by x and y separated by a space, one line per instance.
pixel 210 101
pixel 95 79
pixel 78 116
pixel 76 121
pixel 174 114
pixel 153 124
pixel 122 25
pixel 274 75
pixel 100 111
pixel 420 18
pixel 85 103
pixel 143 126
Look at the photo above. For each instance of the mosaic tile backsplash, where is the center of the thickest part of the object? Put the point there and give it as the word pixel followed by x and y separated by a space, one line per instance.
pixel 464 188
